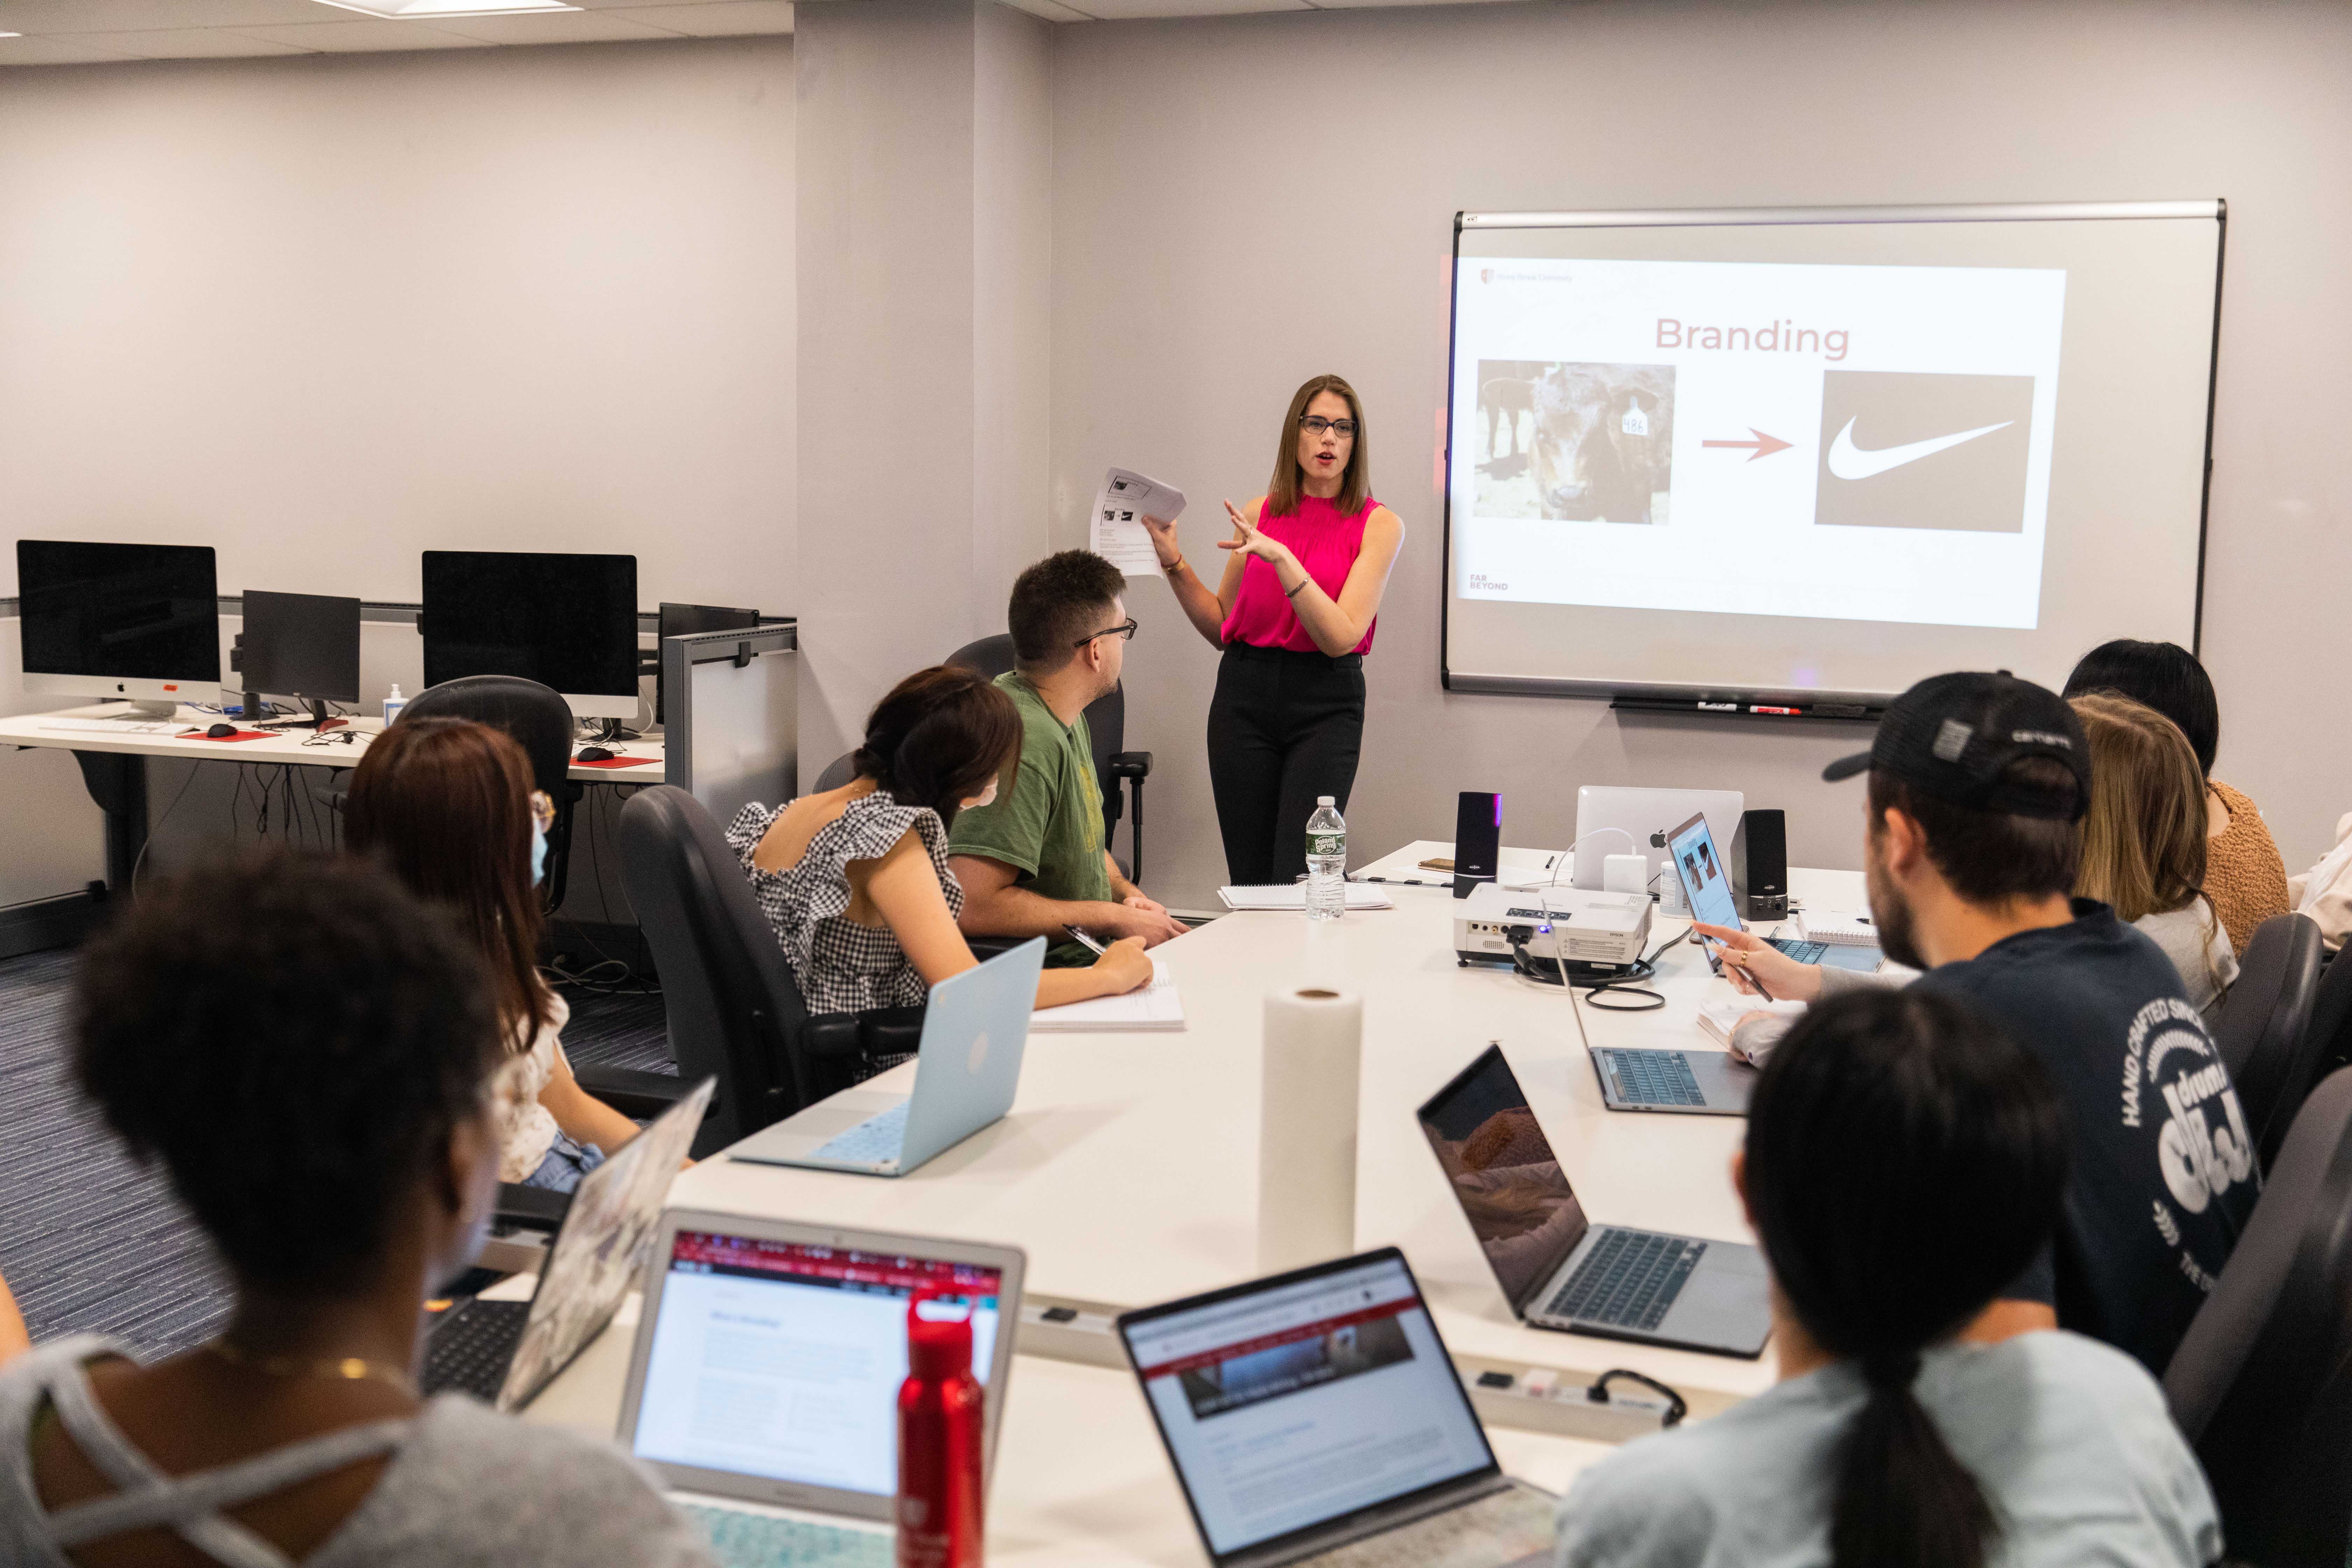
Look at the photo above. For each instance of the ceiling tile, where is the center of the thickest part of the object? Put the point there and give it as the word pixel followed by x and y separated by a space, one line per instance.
pixel 54 52
pixel 716 19
pixel 1050 10
pixel 552 27
pixel 182 44
pixel 361 35
pixel 151 16
pixel 1121 10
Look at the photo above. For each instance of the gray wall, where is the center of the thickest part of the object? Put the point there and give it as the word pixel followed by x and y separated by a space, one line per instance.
pixel 326 312
pixel 1241 203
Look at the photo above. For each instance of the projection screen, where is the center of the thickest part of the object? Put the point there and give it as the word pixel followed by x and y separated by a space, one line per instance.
pixel 1811 456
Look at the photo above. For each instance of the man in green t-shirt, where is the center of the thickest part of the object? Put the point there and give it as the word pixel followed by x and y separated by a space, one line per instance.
pixel 1034 860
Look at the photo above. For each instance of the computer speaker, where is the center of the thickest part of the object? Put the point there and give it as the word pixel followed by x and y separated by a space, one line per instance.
pixel 1766 834
pixel 1477 840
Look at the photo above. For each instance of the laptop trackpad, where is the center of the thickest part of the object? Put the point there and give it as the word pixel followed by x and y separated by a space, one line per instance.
pixel 802 1132
pixel 1502 1530
pixel 1728 1301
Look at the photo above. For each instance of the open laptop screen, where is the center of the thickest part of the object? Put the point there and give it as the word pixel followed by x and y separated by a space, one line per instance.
pixel 782 1360
pixel 601 1250
pixel 1706 880
pixel 1503 1172
pixel 1296 1402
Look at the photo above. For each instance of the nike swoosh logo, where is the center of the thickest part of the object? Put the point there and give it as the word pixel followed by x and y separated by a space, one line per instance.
pixel 1848 461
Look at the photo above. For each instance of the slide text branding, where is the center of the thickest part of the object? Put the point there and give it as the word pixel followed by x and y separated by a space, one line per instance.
pixel 1773 337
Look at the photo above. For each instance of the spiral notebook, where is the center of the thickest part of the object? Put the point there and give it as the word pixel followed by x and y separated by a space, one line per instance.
pixel 1839 928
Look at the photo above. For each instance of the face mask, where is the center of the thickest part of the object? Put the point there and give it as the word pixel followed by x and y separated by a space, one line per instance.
pixel 538 854
pixel 986 798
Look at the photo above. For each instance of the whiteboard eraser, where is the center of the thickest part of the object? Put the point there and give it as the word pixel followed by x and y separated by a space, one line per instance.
pixel 1625 874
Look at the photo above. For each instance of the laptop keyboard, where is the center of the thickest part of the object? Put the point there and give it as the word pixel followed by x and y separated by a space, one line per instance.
pixel 872 1141
pixel 1655 1077
pixel 763 1541
pixel 469 1350
pixel 1628 1280
pixel 1802 951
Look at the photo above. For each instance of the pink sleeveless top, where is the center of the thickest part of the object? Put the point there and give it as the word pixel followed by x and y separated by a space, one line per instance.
pixel 1326 544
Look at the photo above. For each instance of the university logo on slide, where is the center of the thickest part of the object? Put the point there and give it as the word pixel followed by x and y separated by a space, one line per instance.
pixel 1918 449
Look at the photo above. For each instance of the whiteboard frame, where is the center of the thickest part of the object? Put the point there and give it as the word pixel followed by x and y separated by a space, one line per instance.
pixel 1672 695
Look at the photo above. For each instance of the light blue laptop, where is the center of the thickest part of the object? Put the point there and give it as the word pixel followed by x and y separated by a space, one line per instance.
pixel 969 1068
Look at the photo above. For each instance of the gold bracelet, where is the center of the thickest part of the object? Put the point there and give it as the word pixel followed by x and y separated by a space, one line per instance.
pixel 1173 567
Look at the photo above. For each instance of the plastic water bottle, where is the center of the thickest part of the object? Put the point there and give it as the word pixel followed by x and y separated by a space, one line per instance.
pixel 393 704
pixel 1327 862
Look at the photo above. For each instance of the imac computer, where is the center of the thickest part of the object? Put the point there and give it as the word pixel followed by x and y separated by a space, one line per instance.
pixel 135 621
pixel 689 620
pixel 565 621
pixel 304 646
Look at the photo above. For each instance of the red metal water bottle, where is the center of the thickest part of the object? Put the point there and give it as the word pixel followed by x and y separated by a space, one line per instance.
pixel 940 1433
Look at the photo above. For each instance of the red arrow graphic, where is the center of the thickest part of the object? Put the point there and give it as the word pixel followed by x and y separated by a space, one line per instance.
pixel 1765 445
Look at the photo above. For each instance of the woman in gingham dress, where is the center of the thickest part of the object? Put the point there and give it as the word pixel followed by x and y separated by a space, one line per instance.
pixel 855 880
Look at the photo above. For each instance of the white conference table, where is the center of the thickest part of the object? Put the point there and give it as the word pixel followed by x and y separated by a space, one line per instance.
pixel 121 794
pixel 1127 1170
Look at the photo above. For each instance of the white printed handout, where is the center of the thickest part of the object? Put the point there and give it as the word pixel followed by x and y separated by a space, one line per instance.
pixel 1851 442
pixel 1117 533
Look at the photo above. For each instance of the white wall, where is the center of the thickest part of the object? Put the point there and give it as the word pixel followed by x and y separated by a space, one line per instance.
pixel 326 312
pixel 1241 203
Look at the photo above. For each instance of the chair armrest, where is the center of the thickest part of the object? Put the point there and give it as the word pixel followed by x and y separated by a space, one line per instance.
pixel 529 1209
pixel 640 1096
pixel 1130 764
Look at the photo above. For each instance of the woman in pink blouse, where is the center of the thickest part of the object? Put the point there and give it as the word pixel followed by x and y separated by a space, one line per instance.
pixel 1294 610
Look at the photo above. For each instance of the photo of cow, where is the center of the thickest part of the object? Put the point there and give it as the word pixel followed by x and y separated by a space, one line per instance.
pixel 1574 443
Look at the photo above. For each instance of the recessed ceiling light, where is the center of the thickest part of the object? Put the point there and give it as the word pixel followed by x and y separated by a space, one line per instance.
pixel 11 35
pixel 418 10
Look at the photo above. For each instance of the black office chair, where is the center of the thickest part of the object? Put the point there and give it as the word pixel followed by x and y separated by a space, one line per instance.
pixel 837 773
pixel 1107 726
pixel 2331 1017
pixel 540 722
pixel 2264 1028
pixel 734 1008
pixel 2262 1384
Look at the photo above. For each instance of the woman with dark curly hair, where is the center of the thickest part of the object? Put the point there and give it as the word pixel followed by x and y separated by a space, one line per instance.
pixel 341 1152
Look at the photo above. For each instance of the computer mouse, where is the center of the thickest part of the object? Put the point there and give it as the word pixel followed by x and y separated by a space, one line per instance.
pixel 595 754
pixel 220 732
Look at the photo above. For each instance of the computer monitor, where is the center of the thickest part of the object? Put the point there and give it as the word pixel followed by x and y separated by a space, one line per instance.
pixel 304 646
pixel 135 621
pixel 565 621
pixel 688 620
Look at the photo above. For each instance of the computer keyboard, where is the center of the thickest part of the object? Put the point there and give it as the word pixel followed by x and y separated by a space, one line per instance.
pixel 763 1541
pixel 469 1350
pixel 876 1139
pixel 1628 1280
pixel 114 726
pixel 1802 951
pixel 1655 1077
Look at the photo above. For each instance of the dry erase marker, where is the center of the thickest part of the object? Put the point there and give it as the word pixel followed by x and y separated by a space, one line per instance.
pixel 1086 941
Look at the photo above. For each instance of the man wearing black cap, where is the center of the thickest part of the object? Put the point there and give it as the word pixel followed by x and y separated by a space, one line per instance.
pixel 1977 787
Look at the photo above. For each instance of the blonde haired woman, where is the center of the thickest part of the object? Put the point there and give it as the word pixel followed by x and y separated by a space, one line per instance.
pixel 2144 842
pixel 1293 611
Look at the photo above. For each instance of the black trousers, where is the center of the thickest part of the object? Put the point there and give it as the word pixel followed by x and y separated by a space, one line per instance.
pixel 1284 728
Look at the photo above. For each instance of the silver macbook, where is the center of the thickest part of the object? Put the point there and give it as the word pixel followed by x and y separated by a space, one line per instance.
pixel 763 1386
pixel 1687 1083
pixel 1557 1268
pixel 1316 1417
pixel 970 1068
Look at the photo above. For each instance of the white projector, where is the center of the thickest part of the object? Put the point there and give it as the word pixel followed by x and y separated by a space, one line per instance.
pixel 1608 929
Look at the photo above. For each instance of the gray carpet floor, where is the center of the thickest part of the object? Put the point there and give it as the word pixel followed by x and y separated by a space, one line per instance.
pixel 93 1242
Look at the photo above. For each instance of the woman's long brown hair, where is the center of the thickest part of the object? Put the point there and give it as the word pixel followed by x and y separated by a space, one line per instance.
pixel 1283 491
pixel 445 804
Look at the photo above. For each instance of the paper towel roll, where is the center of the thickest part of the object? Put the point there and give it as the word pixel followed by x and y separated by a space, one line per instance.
pixel 1306 1128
